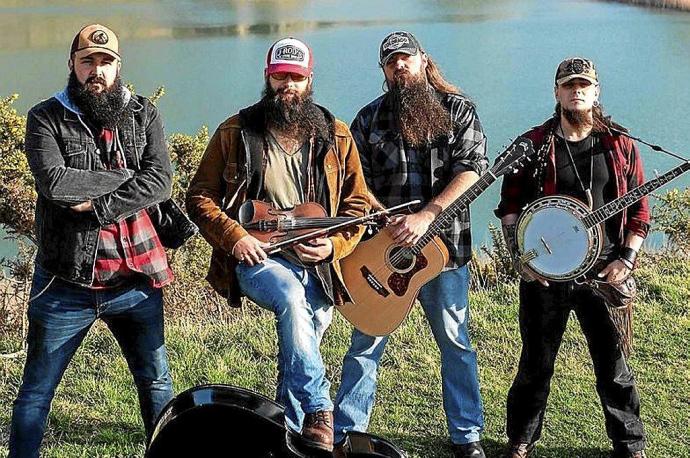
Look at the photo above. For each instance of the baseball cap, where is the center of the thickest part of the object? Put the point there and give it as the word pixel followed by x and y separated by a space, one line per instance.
pixel 95 38
pixel 576 67
pixel 403 42
pixel 289 55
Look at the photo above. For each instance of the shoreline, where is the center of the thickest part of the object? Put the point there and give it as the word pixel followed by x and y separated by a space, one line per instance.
pixel 679 5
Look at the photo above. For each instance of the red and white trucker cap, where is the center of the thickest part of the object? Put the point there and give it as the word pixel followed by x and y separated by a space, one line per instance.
pixel 289 55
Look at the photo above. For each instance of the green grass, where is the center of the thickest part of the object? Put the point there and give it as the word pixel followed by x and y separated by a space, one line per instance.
pixel 95 411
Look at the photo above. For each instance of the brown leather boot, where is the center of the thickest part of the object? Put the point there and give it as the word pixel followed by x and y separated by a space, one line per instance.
pixel 318 429
pixel 518 450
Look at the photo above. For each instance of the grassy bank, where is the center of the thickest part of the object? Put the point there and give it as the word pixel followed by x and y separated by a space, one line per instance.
pixel 95 413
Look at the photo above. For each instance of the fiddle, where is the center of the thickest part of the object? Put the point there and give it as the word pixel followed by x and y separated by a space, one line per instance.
pixel 271 225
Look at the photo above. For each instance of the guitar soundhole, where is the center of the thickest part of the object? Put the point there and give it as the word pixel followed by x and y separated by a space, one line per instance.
pixel 401 259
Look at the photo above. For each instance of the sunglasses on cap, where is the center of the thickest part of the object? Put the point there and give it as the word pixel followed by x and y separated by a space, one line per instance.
pixel 282 76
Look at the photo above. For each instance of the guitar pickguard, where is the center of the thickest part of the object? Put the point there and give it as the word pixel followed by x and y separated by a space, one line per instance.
pixel 399 282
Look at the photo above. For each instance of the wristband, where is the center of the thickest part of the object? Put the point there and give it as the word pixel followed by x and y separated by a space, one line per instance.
pixel 628 256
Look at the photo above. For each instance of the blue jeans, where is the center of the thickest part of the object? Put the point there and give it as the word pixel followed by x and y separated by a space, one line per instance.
pixel 60 315
pixel 302 313
pixel 446 306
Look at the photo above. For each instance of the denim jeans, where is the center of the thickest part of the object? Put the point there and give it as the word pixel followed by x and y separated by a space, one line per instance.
pixel 544 313
pixel 60 315
pixel 302 313
pixel 446 306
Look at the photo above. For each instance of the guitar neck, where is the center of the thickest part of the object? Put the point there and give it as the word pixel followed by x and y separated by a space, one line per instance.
pixel 445 218
pixel 605 212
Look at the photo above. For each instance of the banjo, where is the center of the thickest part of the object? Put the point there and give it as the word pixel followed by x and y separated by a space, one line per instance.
pixel 560 238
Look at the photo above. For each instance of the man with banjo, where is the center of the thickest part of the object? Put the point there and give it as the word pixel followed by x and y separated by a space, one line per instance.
pixel 585 156
pixel 285 150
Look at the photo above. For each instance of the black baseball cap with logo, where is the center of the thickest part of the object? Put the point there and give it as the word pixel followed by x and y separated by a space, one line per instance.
pixel 396 42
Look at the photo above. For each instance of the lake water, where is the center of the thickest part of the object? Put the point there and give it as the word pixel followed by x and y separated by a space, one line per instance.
pixel 209 55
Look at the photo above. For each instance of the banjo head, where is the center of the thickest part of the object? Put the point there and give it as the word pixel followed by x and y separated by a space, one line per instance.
pixel 554 241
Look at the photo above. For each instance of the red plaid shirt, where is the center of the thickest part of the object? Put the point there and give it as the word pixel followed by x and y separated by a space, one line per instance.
pixel 130 246
pixel 539 179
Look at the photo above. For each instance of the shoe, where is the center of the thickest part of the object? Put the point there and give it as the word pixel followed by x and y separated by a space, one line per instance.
pixel 518 450
pixel 471 450
pixel 318 430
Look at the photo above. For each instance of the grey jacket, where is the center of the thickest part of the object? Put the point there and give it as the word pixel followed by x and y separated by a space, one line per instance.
pixel 65 162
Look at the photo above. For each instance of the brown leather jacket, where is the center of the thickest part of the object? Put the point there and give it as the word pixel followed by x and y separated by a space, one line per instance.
pixel 231 171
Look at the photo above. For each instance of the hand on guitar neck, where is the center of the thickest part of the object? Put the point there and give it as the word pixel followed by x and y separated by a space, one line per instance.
pixel 406 230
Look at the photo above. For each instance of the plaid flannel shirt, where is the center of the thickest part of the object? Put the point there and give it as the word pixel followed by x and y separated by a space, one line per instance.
pixel 538 179
pixel 129 246
pixel 384 156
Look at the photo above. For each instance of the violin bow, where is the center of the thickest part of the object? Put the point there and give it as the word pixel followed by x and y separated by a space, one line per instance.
pixel 276 247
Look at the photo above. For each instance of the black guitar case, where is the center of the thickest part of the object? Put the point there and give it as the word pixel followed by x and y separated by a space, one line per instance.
pixel 214 421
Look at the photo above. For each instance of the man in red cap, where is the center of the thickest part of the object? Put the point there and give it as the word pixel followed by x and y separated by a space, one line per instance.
pixel 99 159
pixel 285 150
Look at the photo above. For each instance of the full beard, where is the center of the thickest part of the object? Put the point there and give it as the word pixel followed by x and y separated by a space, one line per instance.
pixel 293 113
pixel 421 116
pixel 104 108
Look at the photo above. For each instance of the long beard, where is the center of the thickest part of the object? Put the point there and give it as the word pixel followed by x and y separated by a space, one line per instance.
pixel 577 118
pixel 105 108
pixel 421 116
pixel 297 115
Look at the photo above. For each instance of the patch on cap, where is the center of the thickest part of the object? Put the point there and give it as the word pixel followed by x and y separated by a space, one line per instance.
pixel 395 41
pixel 99 37
pixel 289 52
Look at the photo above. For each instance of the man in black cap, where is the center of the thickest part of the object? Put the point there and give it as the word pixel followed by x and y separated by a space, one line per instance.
pixel 422 139
pixel 582 157
pixel 99 159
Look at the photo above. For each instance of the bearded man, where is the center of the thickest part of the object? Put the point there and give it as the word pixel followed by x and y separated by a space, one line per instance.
pixel 421 140
pixel 285 150
pixel 583 154
pixel 99 159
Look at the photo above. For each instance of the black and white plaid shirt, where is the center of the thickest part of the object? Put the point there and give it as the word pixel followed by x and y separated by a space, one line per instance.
pixel 397 173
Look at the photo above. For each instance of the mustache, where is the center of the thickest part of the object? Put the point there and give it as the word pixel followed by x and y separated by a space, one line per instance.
pixel 285 91
pixel 95 79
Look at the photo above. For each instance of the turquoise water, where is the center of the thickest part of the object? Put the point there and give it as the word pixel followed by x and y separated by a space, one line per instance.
pixel 209 55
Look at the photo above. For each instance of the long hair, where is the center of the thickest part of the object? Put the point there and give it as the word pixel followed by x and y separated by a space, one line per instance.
pixel 436 79
pixel 601 123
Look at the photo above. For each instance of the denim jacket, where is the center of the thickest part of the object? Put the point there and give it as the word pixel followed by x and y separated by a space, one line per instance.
pixel 67 168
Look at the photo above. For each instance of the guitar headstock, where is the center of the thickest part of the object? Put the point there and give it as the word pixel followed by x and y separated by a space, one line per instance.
pixel 514 157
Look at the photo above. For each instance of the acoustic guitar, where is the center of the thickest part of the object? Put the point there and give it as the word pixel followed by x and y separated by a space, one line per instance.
pixel 383 279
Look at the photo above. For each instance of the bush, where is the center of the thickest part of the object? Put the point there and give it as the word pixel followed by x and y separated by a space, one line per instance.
pixel 672 216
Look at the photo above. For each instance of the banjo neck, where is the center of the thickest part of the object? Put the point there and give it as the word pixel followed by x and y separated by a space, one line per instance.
pixel 606 211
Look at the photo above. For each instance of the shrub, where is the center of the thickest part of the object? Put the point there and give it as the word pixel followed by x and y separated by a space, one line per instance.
pixel 672 216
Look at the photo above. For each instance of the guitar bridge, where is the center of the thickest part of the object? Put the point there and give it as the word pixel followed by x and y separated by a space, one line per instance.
pixel 373 282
